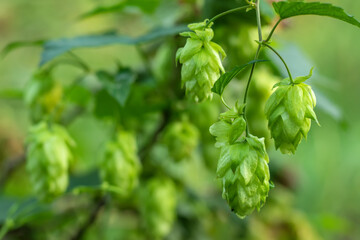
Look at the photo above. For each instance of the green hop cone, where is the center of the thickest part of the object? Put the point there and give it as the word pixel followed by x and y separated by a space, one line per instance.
pixel 120 165
pixel 243 164
pixel 243 169
pixel 43 96
pixel 48 158
pixel 201 61
pixel 229 128
pixel 289 111
pixel 181 139
pixel 158 206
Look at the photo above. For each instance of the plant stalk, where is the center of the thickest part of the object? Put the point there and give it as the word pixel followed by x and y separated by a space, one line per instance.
pixel 258 21
pixel 226 13
pixel 282 59
pixel 273 30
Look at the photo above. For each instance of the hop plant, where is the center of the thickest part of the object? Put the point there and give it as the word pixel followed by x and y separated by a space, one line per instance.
pixel 159 206
pixel 229 128
pixel 181 139
pixel 243 169
pixel 243 164
pixel 201 60
pixel 289 111
pixel 48 158
pixel 120 165
pixel 43 95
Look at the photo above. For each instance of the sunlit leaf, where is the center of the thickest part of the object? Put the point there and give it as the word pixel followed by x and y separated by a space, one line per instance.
pixel 54 48
pixel 226 78
pixel 287 9
pixel 118 86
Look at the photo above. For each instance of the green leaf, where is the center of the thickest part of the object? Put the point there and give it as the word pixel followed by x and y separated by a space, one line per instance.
pixel 15 45
pixel 304 78
pixel 118 86
pixel 26 210
pixel 148 6
pixel 287 9
pixel 226 78
pixel 78 95
pixel 106 106
pixel 54 48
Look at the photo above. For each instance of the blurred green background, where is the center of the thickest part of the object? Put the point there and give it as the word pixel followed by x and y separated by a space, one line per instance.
pixel 325 167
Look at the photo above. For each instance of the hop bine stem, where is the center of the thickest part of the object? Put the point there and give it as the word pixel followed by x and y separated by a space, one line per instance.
pixel 228 12
pixel 273 30
pixel 258 21
pixel 281 58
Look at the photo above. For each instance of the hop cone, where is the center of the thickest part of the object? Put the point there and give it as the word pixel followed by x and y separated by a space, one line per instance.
pixel 289 111
pixel 201 60
pixel 43 96
pixel 243 168
pixel 158 206
pixel 48 157
pixel 181 139
pixel 229 128
pixel 120 165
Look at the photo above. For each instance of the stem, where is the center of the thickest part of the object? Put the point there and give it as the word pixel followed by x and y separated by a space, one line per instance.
pixel 226 105
pixel 258 21
pixel 91 219
pixel 226 13
pixel 286 66
pixel 248 85
pixel 273 30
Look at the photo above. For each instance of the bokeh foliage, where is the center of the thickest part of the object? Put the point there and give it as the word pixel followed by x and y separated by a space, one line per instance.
pixel 316 194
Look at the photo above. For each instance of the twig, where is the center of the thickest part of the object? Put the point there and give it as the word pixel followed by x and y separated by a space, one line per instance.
pixel 92 218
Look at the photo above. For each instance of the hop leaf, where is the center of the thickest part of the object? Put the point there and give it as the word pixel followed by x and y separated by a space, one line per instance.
pixel 120 165
pixel 159 206
pixel 289 111
pixel 181 139
pixel 201 60
pixel 48 157
pixel 243 169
